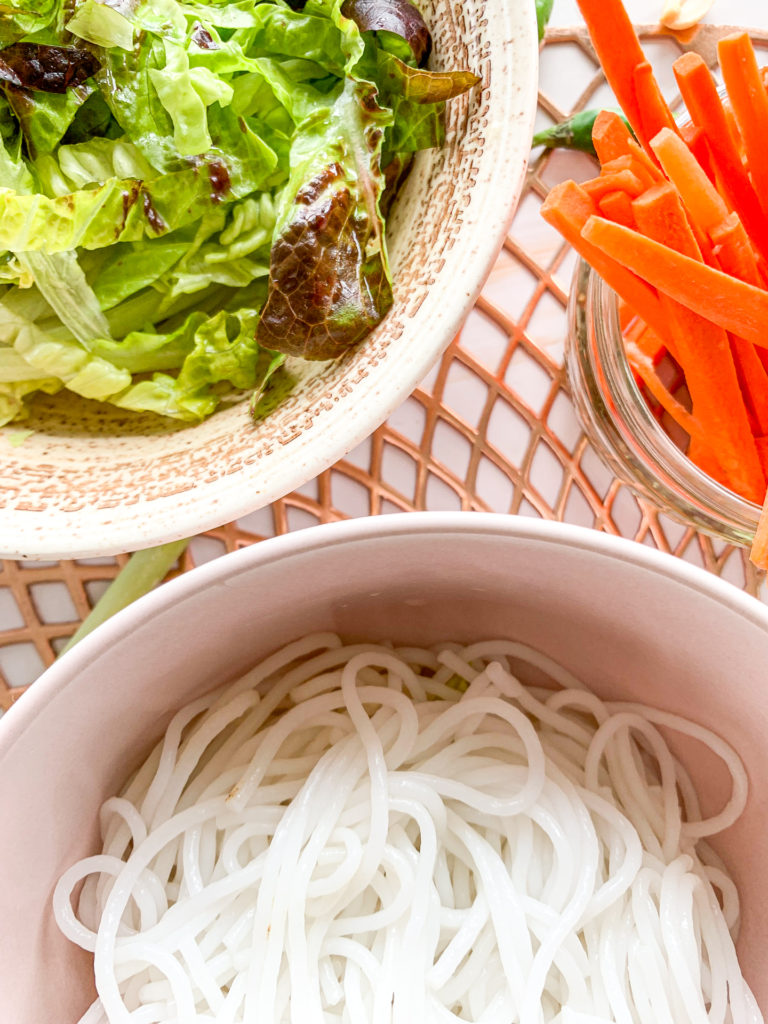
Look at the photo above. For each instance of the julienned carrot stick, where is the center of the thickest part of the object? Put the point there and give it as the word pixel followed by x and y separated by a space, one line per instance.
pixel 617 206
pixel 734 252
pixel 759 552
pixel 651 344
pixel 618 50
pixel 639 165
pixel 645 369
pixel 696 141
pixel 700 453
pixel 613 141
pixel 754 383
pixel 703 351
pixel 568 208
pixel 736 258
pixel 610 136
pixel 762 451
pixel 654 112
pixel 734 305
pixel 637 333
pixel 660 215
pixel 700 95
pixel 623 181
pixel 750 105
pixel 701 198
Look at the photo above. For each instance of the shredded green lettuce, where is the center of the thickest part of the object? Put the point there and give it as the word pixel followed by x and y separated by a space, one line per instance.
pixel 205 195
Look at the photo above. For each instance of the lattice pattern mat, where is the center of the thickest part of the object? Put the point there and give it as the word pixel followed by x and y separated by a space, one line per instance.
pixel 491 428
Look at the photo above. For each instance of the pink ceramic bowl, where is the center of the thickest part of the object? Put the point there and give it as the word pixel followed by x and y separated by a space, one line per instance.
pixel 631 622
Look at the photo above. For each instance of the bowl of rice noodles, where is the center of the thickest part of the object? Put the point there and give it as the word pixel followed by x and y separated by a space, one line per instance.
pixel 432 767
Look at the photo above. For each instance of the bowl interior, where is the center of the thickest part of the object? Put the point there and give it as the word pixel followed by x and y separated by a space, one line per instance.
pixel 631 624
pixel 94 480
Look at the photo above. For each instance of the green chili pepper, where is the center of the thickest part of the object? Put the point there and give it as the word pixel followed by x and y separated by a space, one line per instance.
pixel 543 12
pixel 573 133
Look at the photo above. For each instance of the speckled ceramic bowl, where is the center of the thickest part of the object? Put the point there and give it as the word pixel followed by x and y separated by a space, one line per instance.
pixel 92 481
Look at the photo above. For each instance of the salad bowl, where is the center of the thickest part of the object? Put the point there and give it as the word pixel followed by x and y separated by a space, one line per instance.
pixel 81 478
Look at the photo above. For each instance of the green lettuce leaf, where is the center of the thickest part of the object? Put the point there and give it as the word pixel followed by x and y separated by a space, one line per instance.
pixel 27 17
pixel 150 351
pixel 55 355
pixel 186 93
pixel 12 407
pixel 62 283
pixel 92 120
pixel 15 368
pixel 127 210
pixel 45 117
pixel 99 160
pixel 15 173
pixel 415 126
pixel 223 349
pixel 102 25
pixel 127 88
pixel 334 42
pixel 129 267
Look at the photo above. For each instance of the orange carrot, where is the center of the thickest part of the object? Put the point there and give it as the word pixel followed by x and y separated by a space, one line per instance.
pixel 660 215
pixel 705 206
pixel 733 128
pixel 696 141
pixel 734 251
pixel 731 304
pixel 703 351
pixel 618 50
pixel 708 113
pixel 651 344
pixel 700 196
pixel 750 104
pixel 639 335
pixel 613 141
pixel 702 455
pixel 622 181
pixel 753 381
pixel 762 451
pixel 627 316
pixel 568 208
pixel 759 551
pixel 637 162
pixel 618 163
pixel 610 136
pixel 736 258
pixel 679 414
pixel 654 112
pixel 617 206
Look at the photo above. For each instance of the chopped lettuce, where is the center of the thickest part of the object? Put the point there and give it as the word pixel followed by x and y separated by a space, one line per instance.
pixel 189 191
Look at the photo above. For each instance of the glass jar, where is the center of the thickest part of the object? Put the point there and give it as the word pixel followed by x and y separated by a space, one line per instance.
pixel 625 433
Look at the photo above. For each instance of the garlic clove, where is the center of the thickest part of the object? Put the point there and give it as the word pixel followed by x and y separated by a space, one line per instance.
pixel 681 14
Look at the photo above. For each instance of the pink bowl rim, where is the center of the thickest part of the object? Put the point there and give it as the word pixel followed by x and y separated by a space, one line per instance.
pixel 64 672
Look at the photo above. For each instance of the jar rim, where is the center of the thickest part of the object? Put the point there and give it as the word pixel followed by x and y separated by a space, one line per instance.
pixel 619 421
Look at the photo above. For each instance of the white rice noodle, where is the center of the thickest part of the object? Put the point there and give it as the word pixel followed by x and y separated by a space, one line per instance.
pixel 368 834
